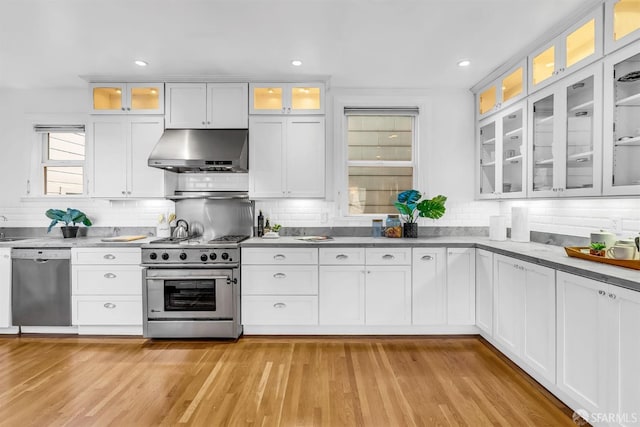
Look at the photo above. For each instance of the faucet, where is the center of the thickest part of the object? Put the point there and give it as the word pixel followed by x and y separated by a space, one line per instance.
pixel 4 219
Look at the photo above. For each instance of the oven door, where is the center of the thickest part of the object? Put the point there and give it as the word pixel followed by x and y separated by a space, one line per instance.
pixel 189 294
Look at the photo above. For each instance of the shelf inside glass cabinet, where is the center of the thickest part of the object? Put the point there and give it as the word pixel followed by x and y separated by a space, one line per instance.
pixel 633 100
pixel 630 142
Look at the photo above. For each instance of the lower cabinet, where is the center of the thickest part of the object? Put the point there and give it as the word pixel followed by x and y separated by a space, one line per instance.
pixel 5 288
pixel 342 290
pixel 484 291
pixel 599 347
pixel 461 286
pixel 429 268
pixel 106 291
pixel 524 322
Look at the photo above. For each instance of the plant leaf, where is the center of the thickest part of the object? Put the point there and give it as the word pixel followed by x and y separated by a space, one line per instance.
pixel 432 208
pixel 409 196
pixel 54 214
pixel 403 209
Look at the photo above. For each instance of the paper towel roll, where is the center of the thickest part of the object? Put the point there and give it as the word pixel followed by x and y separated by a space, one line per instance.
pixel 498 228
pixel 520 224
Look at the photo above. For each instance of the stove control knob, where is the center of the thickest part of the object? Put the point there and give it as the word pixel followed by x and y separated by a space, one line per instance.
pixel 225 256
pixel 153 255
pixel 183 256
pixel 203 257
pixel 165 256
pixel 213 256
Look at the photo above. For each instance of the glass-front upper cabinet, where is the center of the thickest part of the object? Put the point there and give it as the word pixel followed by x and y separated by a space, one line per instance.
pixel 127 98
pixel 287 98
pixel 621 166
pixel 506 90
pixel 574 48
pixel 501 153
pixel 622 23
pixel 565 144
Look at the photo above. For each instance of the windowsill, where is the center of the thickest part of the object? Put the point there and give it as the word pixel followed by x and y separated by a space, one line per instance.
pixel 54 198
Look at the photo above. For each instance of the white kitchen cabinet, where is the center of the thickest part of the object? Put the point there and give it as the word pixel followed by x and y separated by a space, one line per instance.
pixel 575 48
pixel 106 291
pixel 621 151
pixel 502 154
pixel 207 106
pixel 287 156
pixel 524 313
pixel 121 147
pixel 286 98
pixel 342 294
pixel 510 87
pixel 484 291
pixel 598 346
pixel 621 23
pixel 126 98
pixel 5 287
pixel 461 287
pixel 388 295
pixel 429 290
pixel 565 124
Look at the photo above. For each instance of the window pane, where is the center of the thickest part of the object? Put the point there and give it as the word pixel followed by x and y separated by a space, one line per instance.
pixel 63 180
pixel 65 146
pixel 380 138
pixel 373 190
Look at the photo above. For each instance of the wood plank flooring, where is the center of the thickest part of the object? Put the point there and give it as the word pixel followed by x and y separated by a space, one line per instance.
pixel 267 381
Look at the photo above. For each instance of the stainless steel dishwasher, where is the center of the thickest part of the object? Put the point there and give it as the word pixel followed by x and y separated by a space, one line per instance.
pixel 41 287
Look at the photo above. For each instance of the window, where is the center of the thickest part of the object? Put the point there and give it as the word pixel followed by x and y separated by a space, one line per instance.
pixel 63 156
pixel 380 159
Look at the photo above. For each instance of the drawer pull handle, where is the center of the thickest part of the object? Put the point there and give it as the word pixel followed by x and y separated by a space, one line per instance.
pixel 279 276
pixel 109 305
pixel 109 256
pixel 427 258
pixel 342 256
pixel 388 256
pixel 279 257
pixel 279 305
pixel 109 276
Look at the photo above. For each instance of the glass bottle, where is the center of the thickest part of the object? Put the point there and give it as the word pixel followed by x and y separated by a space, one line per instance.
pixel 393 226
pixel 376 228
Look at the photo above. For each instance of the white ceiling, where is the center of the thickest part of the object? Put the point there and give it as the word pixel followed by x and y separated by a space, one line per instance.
pixel 357 43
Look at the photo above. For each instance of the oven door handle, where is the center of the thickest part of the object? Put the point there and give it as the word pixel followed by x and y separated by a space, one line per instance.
pixel 188 278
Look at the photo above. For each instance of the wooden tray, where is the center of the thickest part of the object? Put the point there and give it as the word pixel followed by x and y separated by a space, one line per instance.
pixel 123 238
pixel 577 252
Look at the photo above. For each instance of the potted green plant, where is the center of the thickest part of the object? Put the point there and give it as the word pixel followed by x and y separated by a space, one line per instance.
pixel 71 216
pixel 411 208
pixel 597 249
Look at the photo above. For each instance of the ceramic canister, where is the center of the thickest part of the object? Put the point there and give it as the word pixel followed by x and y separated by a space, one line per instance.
pixel 605 237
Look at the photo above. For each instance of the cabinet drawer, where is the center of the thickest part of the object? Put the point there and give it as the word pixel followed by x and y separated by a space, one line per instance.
pixel 280 255
pixel 388 256
pixel 280 280
pixel 116 310
pixel 342 256
pixel 98 280
pixel 106 256
pixel 280 310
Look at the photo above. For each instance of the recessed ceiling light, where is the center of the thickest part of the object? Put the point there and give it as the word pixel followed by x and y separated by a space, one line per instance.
pixel 296 63
pixel 464 63
pixel 140 63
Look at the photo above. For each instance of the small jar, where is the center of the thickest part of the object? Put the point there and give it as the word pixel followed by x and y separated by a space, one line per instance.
pixel 376 228
pixel 393 227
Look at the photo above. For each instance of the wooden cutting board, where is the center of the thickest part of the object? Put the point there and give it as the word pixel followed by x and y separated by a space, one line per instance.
pixel 123 238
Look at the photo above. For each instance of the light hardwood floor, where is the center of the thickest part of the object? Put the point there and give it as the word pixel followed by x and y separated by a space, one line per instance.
pixel 268 381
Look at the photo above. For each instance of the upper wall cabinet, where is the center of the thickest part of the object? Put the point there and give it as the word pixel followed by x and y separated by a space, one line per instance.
pixel 621 153
pixel 207 106
pixel 578 46
pixel 622 23
pixel 565 124
pixel 127 98
pixel 507 89
pixel 286 98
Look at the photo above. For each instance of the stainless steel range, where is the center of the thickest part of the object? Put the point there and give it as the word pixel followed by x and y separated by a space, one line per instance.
pixel 191 288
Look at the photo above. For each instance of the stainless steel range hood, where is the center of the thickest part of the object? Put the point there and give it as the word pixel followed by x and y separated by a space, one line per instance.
pixel 201 150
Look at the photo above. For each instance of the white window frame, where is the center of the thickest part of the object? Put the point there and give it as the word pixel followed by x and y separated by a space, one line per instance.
pixel 340 146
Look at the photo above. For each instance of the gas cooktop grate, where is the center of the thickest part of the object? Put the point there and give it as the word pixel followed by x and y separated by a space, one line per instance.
pixel 229 239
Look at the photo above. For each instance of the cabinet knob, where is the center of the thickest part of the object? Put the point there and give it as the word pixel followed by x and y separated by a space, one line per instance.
pixel 601 292
pixel 288 109
pixel 283 109
pixel 109 276
pixel 203 123
pixel 124 192
pixel 122 108
pixel 129 192
pixel 109 305
pixel 208 122
pixel 279 305
pixel 427 258
pixel 612 296
pixel 128 108
pixel 279 276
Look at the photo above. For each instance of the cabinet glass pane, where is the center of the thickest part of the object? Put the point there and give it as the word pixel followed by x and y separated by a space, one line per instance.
pixel 373 190
pixel 512 152
pixel 626 18
pixel 543 144
pixel 107 98
pixel 512 85
pixel 380 137
pixel 305 98
pixel 267 98
pixel 544 65
pixel 626 150
pixel 145 98
pixel 487 100
pixel 581 43
pixel 488 158
pixel 580 135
